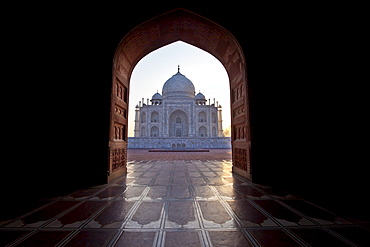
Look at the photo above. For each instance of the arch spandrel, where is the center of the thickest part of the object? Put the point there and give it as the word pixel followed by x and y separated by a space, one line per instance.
pixel 181 25
pixel 201 32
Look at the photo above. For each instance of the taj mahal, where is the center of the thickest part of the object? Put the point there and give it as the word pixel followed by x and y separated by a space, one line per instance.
pixel 178 119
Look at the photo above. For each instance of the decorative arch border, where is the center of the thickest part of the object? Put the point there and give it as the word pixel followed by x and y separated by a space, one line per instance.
pixel 178 109
pixel 181 24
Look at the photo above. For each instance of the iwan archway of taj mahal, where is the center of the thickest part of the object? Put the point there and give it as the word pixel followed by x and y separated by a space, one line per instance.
pixel 196 30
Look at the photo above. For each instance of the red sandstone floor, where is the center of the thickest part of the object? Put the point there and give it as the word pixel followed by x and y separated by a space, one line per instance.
pixel 181 199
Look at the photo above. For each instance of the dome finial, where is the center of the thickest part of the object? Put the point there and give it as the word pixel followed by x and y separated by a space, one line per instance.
pixel 178 68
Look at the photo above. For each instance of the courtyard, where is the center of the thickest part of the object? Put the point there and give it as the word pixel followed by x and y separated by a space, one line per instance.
pixel 181 199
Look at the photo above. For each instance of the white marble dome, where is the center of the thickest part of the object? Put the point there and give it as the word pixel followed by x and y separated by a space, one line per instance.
pixel 157 96
pixel 200 96
pixel 178 86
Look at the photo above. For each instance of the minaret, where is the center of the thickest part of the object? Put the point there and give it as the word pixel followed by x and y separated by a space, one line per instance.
pixel 137 122
pixel 219 124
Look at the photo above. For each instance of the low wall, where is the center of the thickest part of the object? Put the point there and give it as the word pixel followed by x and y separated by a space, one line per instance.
pixel 179 143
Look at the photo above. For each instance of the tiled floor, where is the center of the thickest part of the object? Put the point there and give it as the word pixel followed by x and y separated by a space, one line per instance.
pixel 181 199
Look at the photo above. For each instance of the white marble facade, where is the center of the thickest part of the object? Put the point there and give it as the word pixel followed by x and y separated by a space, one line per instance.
pixel 178 118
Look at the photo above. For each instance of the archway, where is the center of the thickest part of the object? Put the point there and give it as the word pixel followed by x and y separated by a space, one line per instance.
pixel 196 30
pixel 178 124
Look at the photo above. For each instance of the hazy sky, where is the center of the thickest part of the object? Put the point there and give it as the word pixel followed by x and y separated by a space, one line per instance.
pixel 204 70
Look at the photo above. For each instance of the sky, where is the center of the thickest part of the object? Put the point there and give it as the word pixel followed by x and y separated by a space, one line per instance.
pixel 203 69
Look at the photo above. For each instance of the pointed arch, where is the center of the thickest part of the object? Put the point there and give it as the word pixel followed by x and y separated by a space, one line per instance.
pixel 154 131
pixel 181 24
pixel 202 117
pixel 178 124
pixel 202 132
pixel 154 118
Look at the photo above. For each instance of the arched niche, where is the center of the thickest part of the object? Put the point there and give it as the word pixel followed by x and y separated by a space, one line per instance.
pixel 178 124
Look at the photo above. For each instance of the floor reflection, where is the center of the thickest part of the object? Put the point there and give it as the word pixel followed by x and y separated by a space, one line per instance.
pixel 195 202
